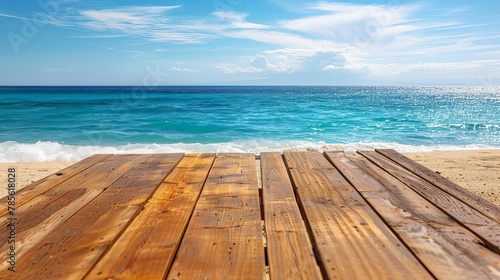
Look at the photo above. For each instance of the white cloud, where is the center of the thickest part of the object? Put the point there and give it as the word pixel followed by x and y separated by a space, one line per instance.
pixel 12 16
pixel 259 64
pixel 378 41
pixel 237 20
pixel 111 19
pixel 459 10
pixel 136 53
pixel 355 25
pixel 393 69
pixel 374 40
pixel 157 25
pixel 233 69
pixel 290 60
pixel 276 38
pixel 151 22
pixel 260 61
pixel 178 69
pixel 58 70
pixel 97 36
pixel 124 18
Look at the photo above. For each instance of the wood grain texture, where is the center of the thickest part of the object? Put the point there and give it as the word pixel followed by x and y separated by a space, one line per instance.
pixel 147 248
pixel 480 204
pixel 447 249
pixel 44 213
pixel 289 249
pixel 35 189
pixel 199 217
pixel 71 250
pixel 352 241
pixel 224 237
pixel 488 230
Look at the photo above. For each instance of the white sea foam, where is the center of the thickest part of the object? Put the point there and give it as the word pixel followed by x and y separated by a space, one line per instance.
pixel 52 151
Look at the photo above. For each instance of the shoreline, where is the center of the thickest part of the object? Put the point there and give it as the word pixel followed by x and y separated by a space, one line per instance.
pixel 475 170
pixel 47 151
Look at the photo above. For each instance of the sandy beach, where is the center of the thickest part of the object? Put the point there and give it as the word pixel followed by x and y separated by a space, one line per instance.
pixel 476 170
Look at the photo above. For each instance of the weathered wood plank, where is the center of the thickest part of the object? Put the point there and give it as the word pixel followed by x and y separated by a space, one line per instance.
pixel 352 241
pixel 480 204
pixel 44 213
pixel 71 250
pixel 289 249
pixel 147 248
pixel 35 189
pixel 447 249
pixel 224 237
pixel 485 228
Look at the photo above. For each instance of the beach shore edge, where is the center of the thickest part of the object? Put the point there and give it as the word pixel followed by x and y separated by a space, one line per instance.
pixel 478 171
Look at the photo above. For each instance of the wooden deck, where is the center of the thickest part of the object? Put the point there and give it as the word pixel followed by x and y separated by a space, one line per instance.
pixel 297 215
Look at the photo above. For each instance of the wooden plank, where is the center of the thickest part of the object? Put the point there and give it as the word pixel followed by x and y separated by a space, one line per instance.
pixel 224 237
pixel 289 249
pixel 147 248
pixel 447 249
pixel 485 228
pixel 44 213
pixel 35 189
pixel 480 204
pixel 73 249
pixel 351 240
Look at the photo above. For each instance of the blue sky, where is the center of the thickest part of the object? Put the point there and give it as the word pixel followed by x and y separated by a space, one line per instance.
pixel 243 42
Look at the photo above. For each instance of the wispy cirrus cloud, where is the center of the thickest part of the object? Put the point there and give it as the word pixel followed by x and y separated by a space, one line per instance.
pixel 97 36
pixel 238 20
pixel 372 40
pixel 150 22
pixel 125 17
pixel 156 24
pixel 2 14
pixel 347 22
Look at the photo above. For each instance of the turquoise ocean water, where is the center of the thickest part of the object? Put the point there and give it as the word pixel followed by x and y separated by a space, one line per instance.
pixel 70 123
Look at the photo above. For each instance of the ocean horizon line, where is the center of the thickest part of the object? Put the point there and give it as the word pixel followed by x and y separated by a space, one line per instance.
pixel 253 85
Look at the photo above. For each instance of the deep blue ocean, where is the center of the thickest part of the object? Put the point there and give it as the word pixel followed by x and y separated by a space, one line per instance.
pixel 70 123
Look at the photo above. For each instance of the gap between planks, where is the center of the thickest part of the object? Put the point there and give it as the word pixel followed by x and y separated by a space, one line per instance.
pixel 263 222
